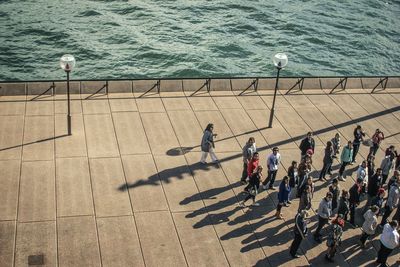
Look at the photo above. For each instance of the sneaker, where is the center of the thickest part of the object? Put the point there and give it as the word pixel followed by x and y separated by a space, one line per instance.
pixel 351 163
pixel 215 162
pixel 341 178
pixel 256 204
pixel 289 202
pixel 272 188
pixel 242 205
pixel 243 182
pixel 330 173
pixel 295 256
pixel 265 187
pixel 279 217
pixel 286 204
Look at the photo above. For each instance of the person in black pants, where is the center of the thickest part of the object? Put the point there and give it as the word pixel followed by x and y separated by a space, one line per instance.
pixel 306 144
pixel 253 186
pixel 300 232
pixel 389 241
pixel 328 160
pixel 354 199
pixel 358 138
pixel 324 214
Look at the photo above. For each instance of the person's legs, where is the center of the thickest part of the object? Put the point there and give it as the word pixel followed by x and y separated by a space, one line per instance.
pixel 321 223
pixel 278 210
pixel 342 167
pixel 212 154
pixel 383 254
pixel 356 147
pixel 323 171
pixel 203 157
pixel 273 176
pixel 295 244
pixel 364 237
pixel 244 173
pixel 386 215
pixel 384 178
pixel 352 213
pixel 265 182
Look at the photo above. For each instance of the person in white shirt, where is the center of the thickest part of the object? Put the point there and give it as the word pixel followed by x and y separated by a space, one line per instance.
pixel 389 241
pixel 362 173
pixel 273 162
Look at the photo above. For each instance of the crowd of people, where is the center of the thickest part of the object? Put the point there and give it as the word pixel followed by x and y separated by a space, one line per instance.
pixel 338 206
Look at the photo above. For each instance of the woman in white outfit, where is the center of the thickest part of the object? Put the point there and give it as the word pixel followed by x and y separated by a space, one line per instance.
pixel 207 144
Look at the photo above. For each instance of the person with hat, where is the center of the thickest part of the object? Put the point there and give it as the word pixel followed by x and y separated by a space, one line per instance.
pixel 306 144
pixel 273 162
pixel 324 213
pixel 369 225
pixel 335 231
pixel 389 241
pixel 300 231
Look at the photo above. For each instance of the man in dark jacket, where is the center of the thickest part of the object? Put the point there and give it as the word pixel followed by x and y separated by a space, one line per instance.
pixel 306 144
pixel 374 183
pixel 300 232
pixel 354 199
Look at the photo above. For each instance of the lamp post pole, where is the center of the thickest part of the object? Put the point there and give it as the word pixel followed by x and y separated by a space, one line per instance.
pixel 67 63
pixel 69 104
pixel 280 61
pixel 271 116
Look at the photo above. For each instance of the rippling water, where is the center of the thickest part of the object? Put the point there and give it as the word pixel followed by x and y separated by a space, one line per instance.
pixel 135 39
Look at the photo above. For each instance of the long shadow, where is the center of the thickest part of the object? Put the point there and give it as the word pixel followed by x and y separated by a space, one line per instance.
pixel 35 142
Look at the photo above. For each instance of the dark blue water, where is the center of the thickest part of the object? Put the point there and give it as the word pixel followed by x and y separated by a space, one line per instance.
pixel 136 39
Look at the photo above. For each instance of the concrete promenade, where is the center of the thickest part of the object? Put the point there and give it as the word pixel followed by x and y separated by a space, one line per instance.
pixel 127 189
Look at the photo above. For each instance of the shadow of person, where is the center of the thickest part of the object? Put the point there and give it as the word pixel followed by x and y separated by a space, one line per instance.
pixel 178 151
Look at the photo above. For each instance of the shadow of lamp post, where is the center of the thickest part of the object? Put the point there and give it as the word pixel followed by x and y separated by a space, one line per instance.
pixel 67 63
pixel 280 61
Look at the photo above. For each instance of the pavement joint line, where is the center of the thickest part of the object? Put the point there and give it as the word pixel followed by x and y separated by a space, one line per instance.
pixel 129 195
pixel 55 185
pixel 91 187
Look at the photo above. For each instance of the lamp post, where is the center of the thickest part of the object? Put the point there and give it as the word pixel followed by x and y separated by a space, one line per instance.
pixel 67 63
pixel 280 61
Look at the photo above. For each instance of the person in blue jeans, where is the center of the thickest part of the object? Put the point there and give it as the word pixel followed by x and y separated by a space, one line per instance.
pixel 283 196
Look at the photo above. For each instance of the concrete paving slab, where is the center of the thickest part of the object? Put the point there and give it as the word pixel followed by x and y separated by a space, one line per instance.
pixel 143 184
pixel 9 180
pixel 242 126
pixel 38 138
pixel 149 103
pixel 11 130
pixel 37 238
pixel 175 101
pixel 12 105
pixel 37 192
pixel 159 240
pixel 160 133
pixel 70 145
pixel 130 133
pixel 214 188
pixel 387 100
pixel 107 175
pixel 201 101
pixel 178 183
pixel 225 100
pixel 122 102
pixel 100 136
pixel 7 244
pixel 275 136
pixel 61 104
pixel 119 242
pixel 78 242
pixel 225 140
pixel 298 101
pixel 251 101
pixel 40 107
pixel 97 104
pixel 198 242
pixel 74 190
pixel 232 166
pixel 232 227
pixel 187 129
pixel 280 101
pixel 116 87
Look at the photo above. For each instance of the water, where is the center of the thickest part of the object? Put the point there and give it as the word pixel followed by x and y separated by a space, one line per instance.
pixel 147 39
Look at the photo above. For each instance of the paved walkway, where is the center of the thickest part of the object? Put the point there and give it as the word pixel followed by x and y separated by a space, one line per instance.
pixel 126 189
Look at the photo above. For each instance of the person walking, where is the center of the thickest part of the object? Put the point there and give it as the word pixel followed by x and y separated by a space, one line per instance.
pixel 354 200
pixel 369 225
pixel 324 213
pixel 305 199
pixel 300 231
pixel 346 157
pixel 344 204
pixel 389 241
pixel 371 165
pixel 335 190
pixel 376 141
pixel 207 144
pixel 374 183
pixel 378 200
pixel 273 162
pixel 336 144
pixel 254 184
pixel 393 179
pixel 362 174
pixel 306 144
pixel 387 167
pixel 328 160
pixel 391 202
pixel 283 196
pixel 358 139
pixel 335 231
pixel 247 152
pixel 293 179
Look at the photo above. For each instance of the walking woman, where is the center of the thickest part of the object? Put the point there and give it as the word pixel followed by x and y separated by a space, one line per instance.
pixel 344 204
pixel 305 199
pixel 376 141
pixel 333 241
pixel 358 138
pixel 346 158
pixel 247 152
pixel 293 179
pixel 328 159
pixel 300 231
pixel 207 144
pixel 254 185
pixel 335 190
pixel 283 196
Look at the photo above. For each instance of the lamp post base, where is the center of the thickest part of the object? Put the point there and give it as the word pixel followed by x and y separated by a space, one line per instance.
pixel 69 124
pixel 271 118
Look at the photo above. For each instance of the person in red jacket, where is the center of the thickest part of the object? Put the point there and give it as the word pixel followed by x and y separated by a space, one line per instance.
pixel 253 164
